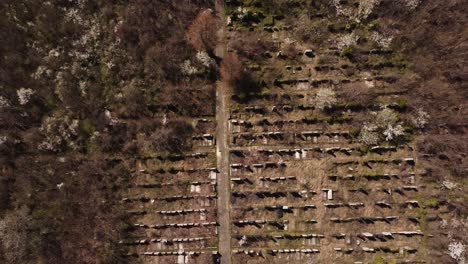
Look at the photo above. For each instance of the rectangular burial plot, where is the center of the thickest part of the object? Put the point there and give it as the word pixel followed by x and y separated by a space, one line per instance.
pixel 370 222
pixel 261 176
pixel 369 254
pixel 152 204
pixel 256 168
pixel 175 186
pixel 284 136
pixel 278 240
pixel 306 153
pixel 376 187
pixel 181 214
pixel 369 181
pixel 144 243
pixel 155 192
pixel 272 182
pixel 263 138
pixel 176 257
pixel 294 123
pixel 175 229
pixel 182 188
pixel 165 244
pixel 264 198
pixel 286 255
pixel 189 160
pixel 381 201
pixel 260 158
pixel 204 140
pixel 370 166
pixel 382 197
pixel 291 213
pixel 271 163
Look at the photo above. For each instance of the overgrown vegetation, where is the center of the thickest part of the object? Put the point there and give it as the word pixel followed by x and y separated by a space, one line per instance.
pixel 86 87
pixel 404 84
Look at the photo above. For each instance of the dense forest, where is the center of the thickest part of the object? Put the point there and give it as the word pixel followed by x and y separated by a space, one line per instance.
pixel 86 86
pixel 83 86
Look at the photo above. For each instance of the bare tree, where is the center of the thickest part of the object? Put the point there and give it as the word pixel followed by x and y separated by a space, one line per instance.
pixel 231 68
pixel 202 32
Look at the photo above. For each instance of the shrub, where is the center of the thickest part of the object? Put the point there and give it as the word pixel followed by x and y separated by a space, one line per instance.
pixel 420 119
pixel 369 135
pixel 347 52
pixel 250 46
pixel 378 260
pixel 432 203
pixel 386 117
pixel 393 132
pixel 174 137
pixel 290 50
pixel 412 4
pixel 364 9
pixel 381 40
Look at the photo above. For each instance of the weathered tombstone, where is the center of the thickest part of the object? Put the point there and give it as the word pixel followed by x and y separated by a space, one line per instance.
pixel 309 53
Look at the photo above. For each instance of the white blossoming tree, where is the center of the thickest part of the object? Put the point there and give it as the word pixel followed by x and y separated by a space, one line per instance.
pixel 58 132
pixel 347 41
pixel 384 126
pixel 421 119
pixel 456 250
pixel 205 59
pixel 187 68
pixel 24 95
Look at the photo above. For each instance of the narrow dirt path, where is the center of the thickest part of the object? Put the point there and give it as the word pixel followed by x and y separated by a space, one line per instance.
pixel 222 151
pixel 223 180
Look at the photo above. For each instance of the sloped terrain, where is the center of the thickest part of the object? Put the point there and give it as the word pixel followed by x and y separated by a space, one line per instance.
pixel 330 142
pixel 233 131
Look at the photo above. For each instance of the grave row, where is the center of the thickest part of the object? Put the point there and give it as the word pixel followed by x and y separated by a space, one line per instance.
pixel 176 225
